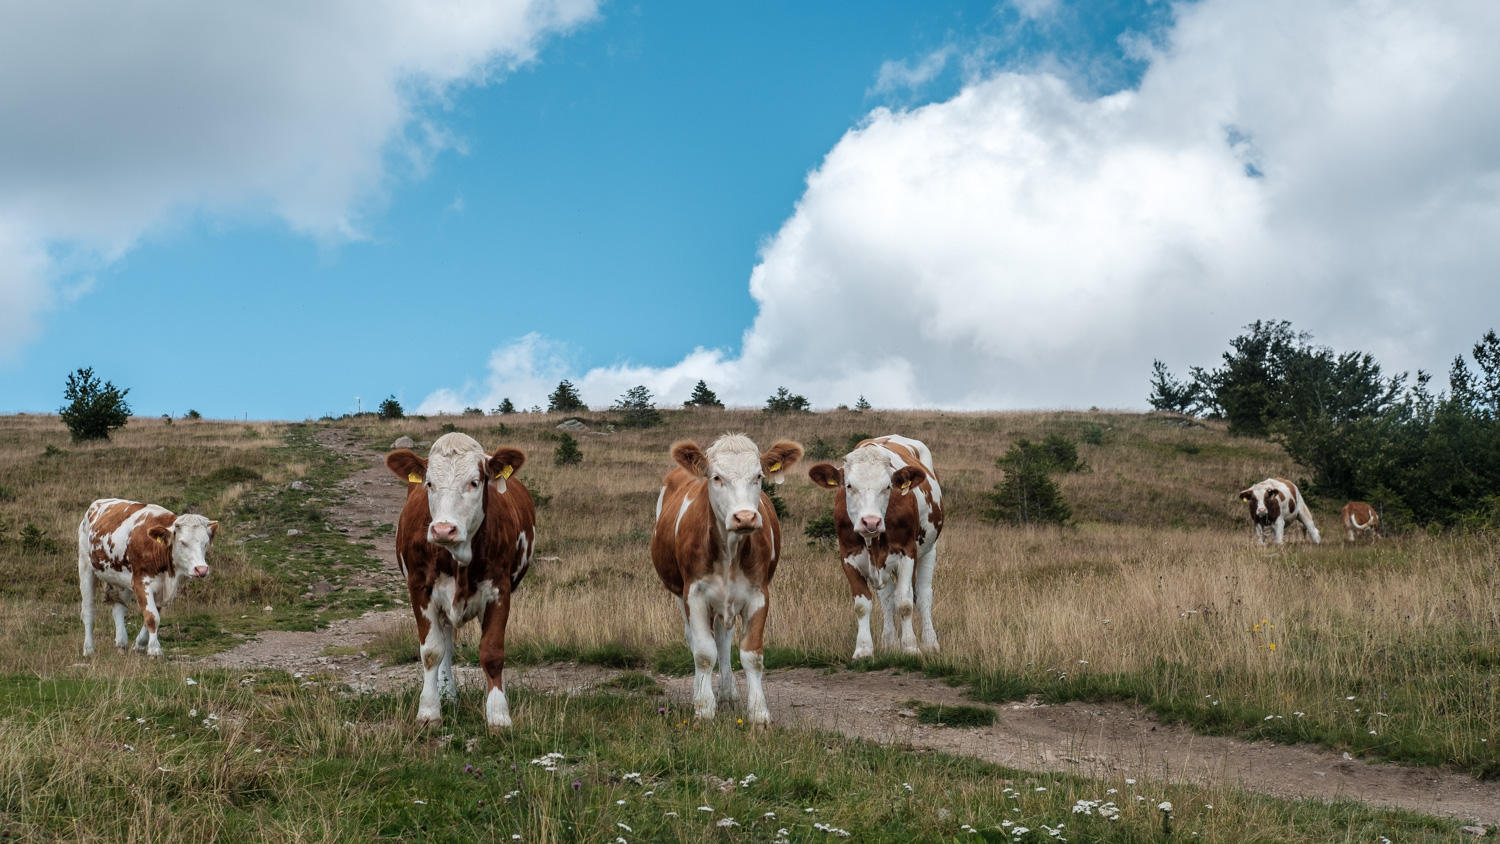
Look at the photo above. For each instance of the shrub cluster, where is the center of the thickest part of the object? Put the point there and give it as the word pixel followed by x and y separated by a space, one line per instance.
pixel 1028 495
pixel 93 409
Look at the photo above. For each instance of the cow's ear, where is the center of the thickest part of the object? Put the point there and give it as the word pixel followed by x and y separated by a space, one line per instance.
pixel 1273 492
pixel 690 457
pixel 826 475
pixel 504 463
pixel 904 478
pixel 213 528
pixel 407 466
pixel 779 458
pixel 1247 495
pixel 159 533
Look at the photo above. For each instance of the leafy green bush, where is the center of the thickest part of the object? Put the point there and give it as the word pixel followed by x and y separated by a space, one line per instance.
pixel 193 414
pixel 777 503
pixel 703 397
pixel 391 409
pixel 821 530
pixel 6 493
pixel 638 409
pixel 785 401
pixel 93 409
pixel 567 452
pixel 1093 434
pixel 565 399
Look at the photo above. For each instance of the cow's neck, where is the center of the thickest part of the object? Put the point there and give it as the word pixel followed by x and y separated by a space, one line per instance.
pixel 729 542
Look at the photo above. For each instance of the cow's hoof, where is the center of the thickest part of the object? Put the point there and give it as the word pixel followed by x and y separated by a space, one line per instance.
pixel 931 647
pixel 500 727
pixel 862 651
pixel 428 719
pixel 911 650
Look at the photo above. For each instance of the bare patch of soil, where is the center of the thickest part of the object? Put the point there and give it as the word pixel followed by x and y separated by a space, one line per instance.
pixel 1098 740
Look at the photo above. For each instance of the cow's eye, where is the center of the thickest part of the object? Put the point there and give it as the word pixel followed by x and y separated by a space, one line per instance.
pixel 718 480
pixel 473 484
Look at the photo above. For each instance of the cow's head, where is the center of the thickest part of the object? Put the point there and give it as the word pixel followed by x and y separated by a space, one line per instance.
pixel 455 475
pixel 188 537
pixel 1265 501
pixel 734 468
pixel 868 479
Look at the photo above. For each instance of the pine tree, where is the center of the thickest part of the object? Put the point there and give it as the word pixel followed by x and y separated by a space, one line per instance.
pixel 1027 495
pixel 703 397
pixel 785 401
pixel 93 409
pixel 565 399
pixel 506 406
pixel 391 409
pixel 639 409
pixel 567 452
pixel 861 405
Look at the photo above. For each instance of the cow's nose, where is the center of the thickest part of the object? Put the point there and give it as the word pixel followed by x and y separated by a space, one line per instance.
pixel 870 524
pixel 744 520
pixel 200 571
pixel 444 532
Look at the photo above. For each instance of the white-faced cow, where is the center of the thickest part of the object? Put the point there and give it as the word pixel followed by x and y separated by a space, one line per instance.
pixel 464 541
pixel 1274 502
pixel 1359 518
pixel 715 546
pixel 143 553
pixel 888 510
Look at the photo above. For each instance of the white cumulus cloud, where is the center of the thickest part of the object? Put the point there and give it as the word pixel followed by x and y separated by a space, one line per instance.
pixel 1029 244
pixel 120 117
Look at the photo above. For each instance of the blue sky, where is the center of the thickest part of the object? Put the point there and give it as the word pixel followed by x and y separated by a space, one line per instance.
pixel 588 196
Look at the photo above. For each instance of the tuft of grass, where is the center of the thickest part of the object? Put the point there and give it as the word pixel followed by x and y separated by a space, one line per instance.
pixel 946 715
pixel 635 681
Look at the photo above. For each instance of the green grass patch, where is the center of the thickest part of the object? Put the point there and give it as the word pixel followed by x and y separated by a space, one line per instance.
pixel 958 715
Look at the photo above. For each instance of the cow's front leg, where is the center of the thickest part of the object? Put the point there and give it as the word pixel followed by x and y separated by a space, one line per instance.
pixel 860 589
pixel 752 658
pixel 150 618
pixel 701 643
pixel 1280 530
pixel 434 636
pixel 1260 535
pixel 905 605
pixel 887 593
pixel 925 566
pixel 447 689
pixel 723 639
pixel 492 660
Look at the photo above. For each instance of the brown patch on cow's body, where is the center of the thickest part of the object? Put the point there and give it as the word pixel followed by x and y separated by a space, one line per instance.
pixel 688 550
pixel 1359 517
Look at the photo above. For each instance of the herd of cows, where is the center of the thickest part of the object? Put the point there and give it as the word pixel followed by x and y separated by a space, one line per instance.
pixel 467 534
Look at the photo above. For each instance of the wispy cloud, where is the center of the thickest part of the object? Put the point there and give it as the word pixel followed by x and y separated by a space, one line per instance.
pixel 902 75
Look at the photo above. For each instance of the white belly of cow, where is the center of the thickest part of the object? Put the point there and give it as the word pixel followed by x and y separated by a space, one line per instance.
pixel 862 564
pixel 728 595
pixel 444 604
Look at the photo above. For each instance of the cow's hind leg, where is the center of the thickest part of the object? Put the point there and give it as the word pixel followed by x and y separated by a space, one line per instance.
pixel 701 643
pixel 117 609
pixel 723 640
pixel 492 660
pixel 926 564
pixel 752 658
pixel 86 581
pixel 863 644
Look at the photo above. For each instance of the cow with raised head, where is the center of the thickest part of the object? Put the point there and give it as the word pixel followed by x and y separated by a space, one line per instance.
pixel 143 553
pixel 1275 502
pixel 715 546
pixel 1360 518
pixel 888 511
pixel 464 541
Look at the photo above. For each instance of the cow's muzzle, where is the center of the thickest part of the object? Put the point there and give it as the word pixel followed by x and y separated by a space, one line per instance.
pixel 870 526
pixel 443 533
pixel 744 521
pixel 200 571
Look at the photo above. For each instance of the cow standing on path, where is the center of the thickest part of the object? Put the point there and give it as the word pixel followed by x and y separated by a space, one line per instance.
pixel 143 553
pixel 1273 503
pixel 1360 517
pixel 888 510
pixel 464 541
pixel 715 546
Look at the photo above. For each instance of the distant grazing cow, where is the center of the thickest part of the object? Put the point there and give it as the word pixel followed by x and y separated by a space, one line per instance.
pixel 715 546
pixel 1360 517
pixel 464 541
pixel 142 553
pixel 1273 503
pixel 888 510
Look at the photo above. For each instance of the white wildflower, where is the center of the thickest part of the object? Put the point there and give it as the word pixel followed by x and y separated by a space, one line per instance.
pixel 727 822
pixel 624 827
pixel 1164 806
pixel 705 808
pixel 192 682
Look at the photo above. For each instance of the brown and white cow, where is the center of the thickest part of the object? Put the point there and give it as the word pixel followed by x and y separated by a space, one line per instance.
pixel 1360 517
pixel 1274 502
pixel 715 546
pixel 142 553
pixel 464 541
pixel 888 510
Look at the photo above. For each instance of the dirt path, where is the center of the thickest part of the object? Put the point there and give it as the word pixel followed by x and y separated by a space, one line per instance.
pixel 1102 740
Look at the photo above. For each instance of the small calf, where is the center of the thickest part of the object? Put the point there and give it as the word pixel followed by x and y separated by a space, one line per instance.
pixel 1360 517
pixel 1273 503
pixel 143 553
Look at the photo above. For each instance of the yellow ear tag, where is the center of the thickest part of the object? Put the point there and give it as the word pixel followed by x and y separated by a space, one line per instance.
pixel 413 478
pixel 906 486
pixel 776 467
pixel 832 482
pixel 161 540
pixel 506 472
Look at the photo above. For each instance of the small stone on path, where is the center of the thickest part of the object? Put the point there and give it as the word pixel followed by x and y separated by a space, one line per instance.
pixel 403 442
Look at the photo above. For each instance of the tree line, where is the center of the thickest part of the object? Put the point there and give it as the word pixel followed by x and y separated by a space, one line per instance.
pixel 1418 455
